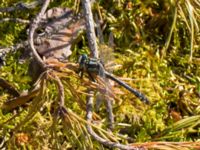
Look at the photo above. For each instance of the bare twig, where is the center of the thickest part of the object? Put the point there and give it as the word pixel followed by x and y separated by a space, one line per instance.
pixel 90 28
pixel 6 50
pixel 98 138
pixel 33 27
pixel 17 20
pixel 21 6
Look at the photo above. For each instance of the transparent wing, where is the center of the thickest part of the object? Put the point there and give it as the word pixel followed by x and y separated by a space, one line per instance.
pixel 105 56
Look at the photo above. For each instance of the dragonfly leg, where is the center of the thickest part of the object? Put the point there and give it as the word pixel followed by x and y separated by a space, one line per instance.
pixel 91 77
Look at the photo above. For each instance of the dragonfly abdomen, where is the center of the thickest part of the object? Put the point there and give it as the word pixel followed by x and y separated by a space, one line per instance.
pixel 137 93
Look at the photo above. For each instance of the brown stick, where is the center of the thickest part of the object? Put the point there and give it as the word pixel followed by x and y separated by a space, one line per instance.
pixel 21 100
pixel 11 89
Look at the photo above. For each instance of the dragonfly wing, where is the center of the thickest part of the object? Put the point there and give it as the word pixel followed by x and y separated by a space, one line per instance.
pixel 104 52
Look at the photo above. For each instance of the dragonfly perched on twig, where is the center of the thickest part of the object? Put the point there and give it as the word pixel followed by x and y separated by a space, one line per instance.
pixel 95 66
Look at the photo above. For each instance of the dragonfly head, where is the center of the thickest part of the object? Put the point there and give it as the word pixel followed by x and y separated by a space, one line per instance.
pixel 82 60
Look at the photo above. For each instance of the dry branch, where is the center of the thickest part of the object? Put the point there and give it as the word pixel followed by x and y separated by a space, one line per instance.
pixel 21 6
pixel 97 137
pixel 90 28
pixel 33 27
pixel 17 20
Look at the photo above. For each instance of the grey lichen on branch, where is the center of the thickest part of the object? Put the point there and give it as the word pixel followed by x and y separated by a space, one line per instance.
pixel 90 28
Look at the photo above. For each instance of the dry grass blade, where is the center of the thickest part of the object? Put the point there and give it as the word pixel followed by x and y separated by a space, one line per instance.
pixel 72 114
pixel 187 122
pixel 170 145
pixel 170 33
pixel 75 94
pixel 184 17
pixel 192 19
pixel 75 128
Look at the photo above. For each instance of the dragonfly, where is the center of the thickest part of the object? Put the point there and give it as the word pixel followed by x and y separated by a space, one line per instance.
pixel 96 66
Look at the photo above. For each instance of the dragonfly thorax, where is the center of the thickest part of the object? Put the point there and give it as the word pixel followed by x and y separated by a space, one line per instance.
pixel 91 65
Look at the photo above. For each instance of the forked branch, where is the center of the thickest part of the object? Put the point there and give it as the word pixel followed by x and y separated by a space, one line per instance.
pixel 33 27
pixel 100 139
